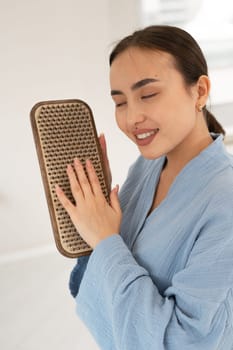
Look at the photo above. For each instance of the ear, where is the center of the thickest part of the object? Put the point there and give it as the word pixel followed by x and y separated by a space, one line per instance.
pixel 203 89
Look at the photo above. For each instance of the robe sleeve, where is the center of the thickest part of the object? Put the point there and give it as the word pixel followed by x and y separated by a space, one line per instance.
pixel 77 275
pixel 195 312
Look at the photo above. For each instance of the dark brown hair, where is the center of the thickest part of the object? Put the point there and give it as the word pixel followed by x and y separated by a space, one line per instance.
pixel 188 57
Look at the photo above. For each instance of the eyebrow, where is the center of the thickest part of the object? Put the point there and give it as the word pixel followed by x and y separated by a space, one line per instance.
pixel 136 85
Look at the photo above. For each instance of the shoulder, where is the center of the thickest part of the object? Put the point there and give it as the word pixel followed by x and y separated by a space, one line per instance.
pixel 216 171
pixel 221 181
pixel 218 192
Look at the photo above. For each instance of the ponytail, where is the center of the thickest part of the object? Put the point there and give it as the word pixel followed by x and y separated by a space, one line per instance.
pixel 213 124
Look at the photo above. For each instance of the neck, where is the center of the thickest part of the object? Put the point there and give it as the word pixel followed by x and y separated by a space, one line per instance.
pixel 186 151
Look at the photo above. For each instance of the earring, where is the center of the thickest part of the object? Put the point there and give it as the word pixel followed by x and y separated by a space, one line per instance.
pixel 199 108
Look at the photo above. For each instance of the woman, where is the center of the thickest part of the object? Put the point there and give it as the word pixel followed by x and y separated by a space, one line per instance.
pixel 161 272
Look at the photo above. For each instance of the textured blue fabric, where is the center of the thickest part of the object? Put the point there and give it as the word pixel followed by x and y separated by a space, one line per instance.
pixel 166 282
pixel 77 275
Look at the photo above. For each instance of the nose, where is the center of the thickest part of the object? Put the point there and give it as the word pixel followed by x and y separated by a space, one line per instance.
pixel 135 115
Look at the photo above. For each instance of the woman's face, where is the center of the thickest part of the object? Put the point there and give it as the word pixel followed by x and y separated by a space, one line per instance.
pixel 154 108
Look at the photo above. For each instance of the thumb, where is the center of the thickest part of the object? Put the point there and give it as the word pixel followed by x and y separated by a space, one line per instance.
pixel 114 200
pixel 103 145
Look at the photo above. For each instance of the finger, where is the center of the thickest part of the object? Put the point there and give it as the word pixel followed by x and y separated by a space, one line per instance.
pixel 65 202
pixel 82 178
pixel 93 178
pixel 74 184
pixel 114 199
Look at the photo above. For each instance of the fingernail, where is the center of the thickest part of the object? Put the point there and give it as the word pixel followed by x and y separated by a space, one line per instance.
pixel 88 162
pixel 77 161
pixel 57 188
pixel 102 136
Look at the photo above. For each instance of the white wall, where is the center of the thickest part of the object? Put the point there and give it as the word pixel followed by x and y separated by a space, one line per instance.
pixel 51 50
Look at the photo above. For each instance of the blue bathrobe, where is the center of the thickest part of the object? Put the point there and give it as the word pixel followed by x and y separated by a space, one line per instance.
pixel 166 282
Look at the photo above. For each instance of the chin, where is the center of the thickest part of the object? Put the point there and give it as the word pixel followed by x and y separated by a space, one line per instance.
pixel 151 155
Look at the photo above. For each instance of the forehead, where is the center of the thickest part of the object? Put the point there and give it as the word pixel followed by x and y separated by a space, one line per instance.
pixel 135 64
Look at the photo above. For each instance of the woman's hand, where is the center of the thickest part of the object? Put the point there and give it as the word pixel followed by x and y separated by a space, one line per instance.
pixel 94 218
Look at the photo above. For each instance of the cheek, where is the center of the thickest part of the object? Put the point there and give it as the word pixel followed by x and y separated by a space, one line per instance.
pixel 122 125
pixel 181 121
pixel 121 121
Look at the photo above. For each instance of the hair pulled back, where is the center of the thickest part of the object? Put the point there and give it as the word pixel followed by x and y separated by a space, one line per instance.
pixel 187 54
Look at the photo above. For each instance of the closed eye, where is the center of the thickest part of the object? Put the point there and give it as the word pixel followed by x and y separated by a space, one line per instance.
pixel 120 104
pixel 149 96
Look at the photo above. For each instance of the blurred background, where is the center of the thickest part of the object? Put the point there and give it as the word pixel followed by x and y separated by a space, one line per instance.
pixel 57 50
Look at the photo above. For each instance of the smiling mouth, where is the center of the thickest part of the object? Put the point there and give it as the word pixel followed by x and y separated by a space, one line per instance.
pixel 145 135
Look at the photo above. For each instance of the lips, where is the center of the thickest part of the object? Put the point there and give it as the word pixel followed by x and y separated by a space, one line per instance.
pixel 145 136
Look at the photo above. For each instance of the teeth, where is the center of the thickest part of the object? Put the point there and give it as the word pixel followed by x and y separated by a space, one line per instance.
pixel 145 135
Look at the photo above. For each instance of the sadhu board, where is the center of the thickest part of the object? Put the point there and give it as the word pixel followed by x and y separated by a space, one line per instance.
pixel 64 130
